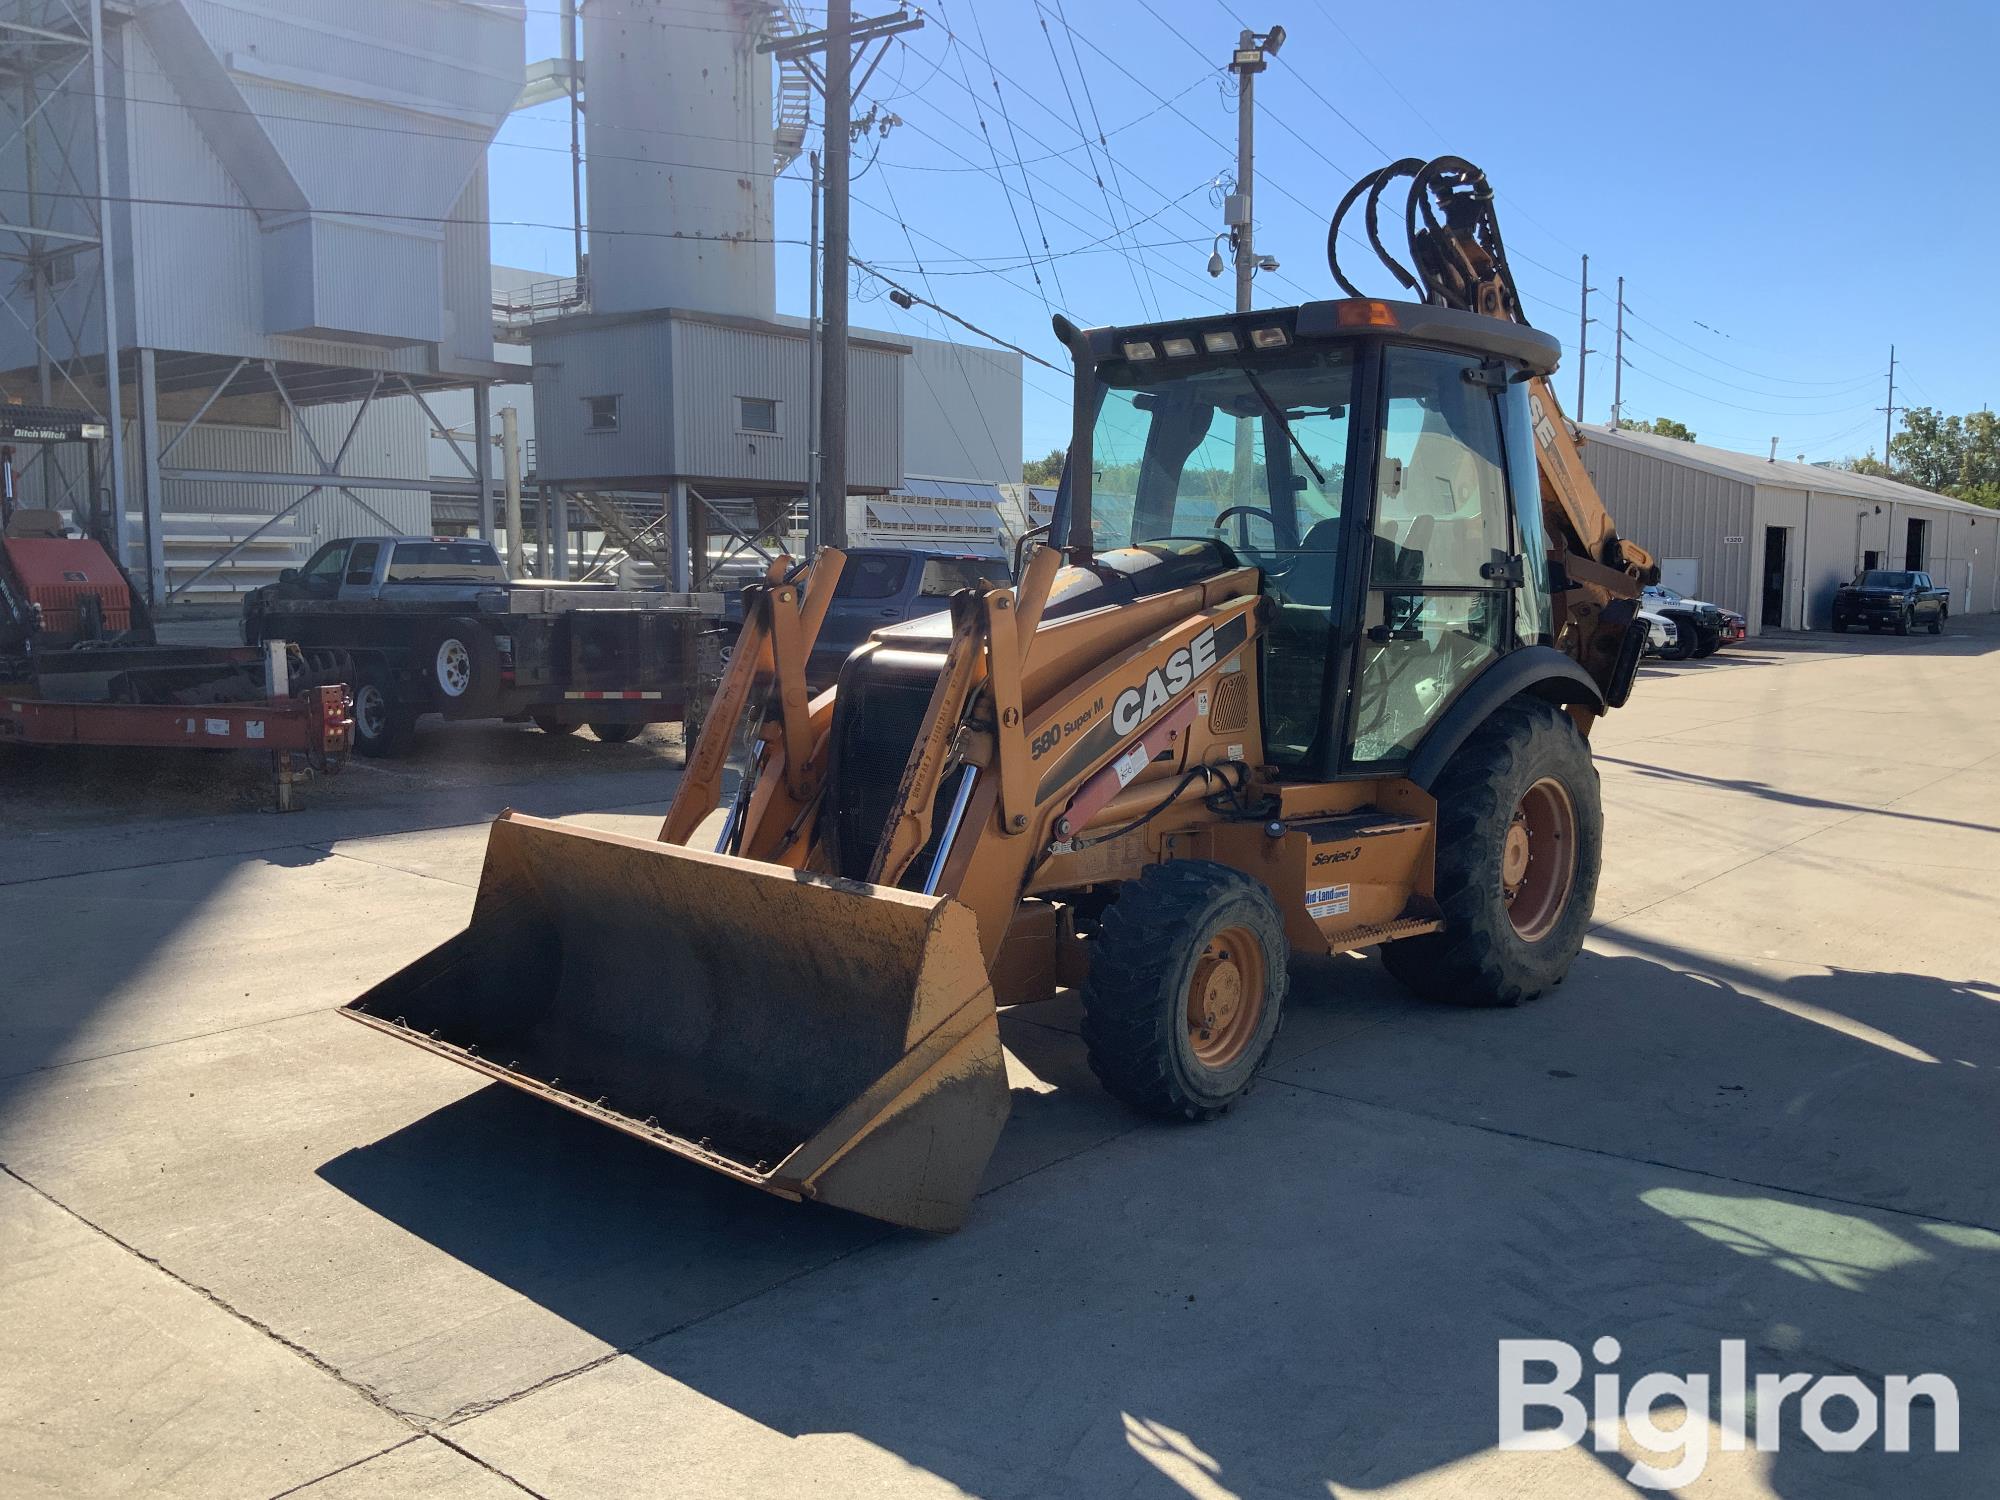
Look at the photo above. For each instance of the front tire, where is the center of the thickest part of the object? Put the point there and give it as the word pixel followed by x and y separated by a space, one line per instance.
pixel 1186 989
pixel 1903 621
pixel 1520 843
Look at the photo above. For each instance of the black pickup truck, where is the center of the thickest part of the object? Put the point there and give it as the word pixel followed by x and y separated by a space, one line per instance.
pixel 1898 600
pixel 434 625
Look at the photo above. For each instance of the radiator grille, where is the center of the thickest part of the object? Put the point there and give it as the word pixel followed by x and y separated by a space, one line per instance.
pixel 1229 709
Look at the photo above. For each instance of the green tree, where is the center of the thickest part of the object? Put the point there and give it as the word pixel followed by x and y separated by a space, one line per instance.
pixel 1953 455
pixel 1661 427
pixel 1044 470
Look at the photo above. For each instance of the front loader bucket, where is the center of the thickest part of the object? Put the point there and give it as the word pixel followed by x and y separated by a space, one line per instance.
pixel 815 1037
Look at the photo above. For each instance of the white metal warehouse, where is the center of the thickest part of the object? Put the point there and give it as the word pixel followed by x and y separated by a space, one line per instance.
pixel 1773 539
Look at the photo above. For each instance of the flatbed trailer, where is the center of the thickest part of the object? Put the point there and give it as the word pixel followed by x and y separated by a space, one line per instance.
pixel 187 698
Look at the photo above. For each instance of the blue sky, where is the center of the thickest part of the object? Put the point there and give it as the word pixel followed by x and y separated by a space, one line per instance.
pixel 1787 188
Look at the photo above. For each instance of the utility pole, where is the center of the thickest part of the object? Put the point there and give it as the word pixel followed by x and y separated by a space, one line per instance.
pixel 1239 216
pixel 814 345
pixel 832 496
pixel 1238 210
pixel 1889 411
pixel 1583 349
pixel 1618 362
pixel 843 41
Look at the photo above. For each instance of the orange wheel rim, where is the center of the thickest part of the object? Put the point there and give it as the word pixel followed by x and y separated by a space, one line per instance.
pixel 1538 859
pixel 1225 997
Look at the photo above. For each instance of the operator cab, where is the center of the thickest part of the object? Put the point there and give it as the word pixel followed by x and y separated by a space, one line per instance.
pixel 1373 460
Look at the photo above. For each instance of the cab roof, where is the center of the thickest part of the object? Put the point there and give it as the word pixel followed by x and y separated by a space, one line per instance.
pixel 1270 329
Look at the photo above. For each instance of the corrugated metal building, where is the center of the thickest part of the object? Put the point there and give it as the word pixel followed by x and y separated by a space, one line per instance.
pixel 1774 539
pixel 633 399
pixel 299 233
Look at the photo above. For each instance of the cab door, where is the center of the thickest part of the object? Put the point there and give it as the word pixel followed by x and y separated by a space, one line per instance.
pixel 358 581
pixel 1442 568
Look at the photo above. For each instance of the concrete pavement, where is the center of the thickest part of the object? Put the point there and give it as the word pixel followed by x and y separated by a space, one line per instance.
pixel 248 1248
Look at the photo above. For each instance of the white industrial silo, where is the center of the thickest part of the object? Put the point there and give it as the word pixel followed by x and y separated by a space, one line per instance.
pixel 680 156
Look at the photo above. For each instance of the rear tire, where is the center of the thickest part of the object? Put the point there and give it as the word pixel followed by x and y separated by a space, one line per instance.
pixel 1520 843
pixel 616 734
pixel 382 726
pixel 1937 623
pixel 1186 989
pixel 461 666
pixel 556 727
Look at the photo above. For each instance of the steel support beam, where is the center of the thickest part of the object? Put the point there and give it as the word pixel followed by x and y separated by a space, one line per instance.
pixel 482 444
pixel 114 414
pixel 317 481
pixel 151 500
pixel 683 544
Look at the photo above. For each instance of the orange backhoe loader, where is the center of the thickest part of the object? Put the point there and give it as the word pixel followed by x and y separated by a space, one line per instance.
pixel 1308 663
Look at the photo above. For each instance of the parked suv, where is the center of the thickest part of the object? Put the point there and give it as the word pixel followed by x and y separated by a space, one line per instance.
pixel 1877 598
pixel 885 586
pixel 1698 623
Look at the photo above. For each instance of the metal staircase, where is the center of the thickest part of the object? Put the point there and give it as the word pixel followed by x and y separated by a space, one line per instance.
pixel 791 105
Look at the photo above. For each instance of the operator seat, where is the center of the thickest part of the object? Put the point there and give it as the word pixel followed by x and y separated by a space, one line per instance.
pixel 1312 579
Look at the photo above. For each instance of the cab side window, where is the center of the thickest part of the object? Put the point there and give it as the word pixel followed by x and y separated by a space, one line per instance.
pixel 361 563
pixel 327 565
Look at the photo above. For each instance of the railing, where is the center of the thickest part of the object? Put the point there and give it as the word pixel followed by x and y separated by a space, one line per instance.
pixel 539 302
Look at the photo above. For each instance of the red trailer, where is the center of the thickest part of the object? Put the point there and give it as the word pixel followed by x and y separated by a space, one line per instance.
pixel 80 663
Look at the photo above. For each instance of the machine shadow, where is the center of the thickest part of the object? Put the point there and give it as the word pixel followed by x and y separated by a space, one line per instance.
pixel 1770 793
pixel 97 912
pixel 1311 1290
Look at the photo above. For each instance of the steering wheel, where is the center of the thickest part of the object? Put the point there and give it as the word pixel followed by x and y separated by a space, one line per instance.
pixel 1248 510
pixel 1247 549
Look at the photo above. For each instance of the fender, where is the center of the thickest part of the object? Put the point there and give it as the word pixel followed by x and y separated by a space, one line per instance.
pixel 1540 670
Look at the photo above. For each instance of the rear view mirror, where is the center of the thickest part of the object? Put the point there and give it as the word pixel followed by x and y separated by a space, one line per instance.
pixel 287 575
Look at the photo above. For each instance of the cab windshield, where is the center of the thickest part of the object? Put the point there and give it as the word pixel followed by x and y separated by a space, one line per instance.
pixel 1253 456
pixel 1879 580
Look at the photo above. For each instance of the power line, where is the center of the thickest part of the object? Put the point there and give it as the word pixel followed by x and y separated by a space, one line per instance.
pixel 1226 146
pixel 1630 338
pixel 1742 369
pixel 1048 37
pixel 1200 288
pixel 1000 177
pixel 1097 124
pixel 1836 411
pixel 1013 140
